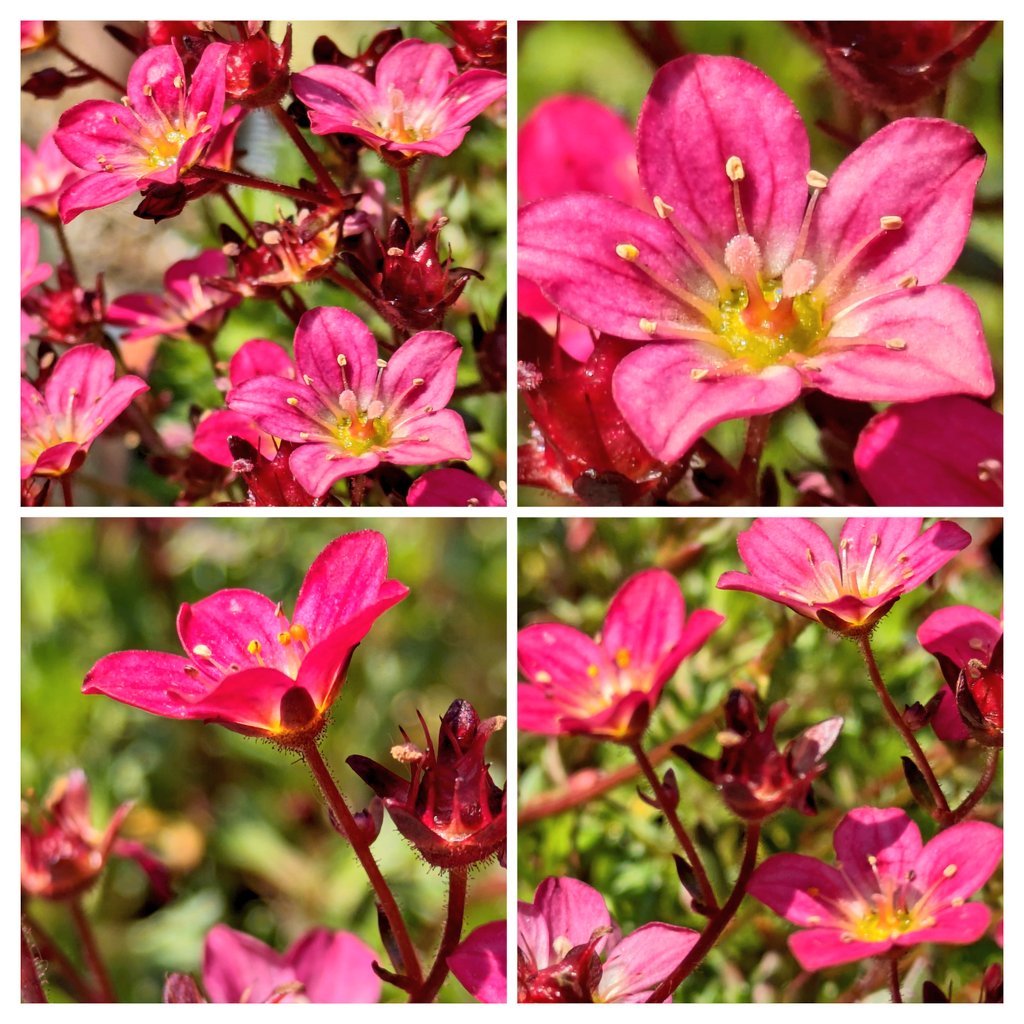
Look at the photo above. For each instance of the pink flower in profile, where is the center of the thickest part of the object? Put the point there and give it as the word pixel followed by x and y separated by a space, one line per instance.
pixel 322 966
pixel 794 562
pixel 161 129
pixel 453 488
pixel 567 929
pixel 352 410
pixel 62 854
pixel 248 667
pixel 887 890
pixel 191 308
pixel 942 452
pixel 759 277
pixel 609 687
pixel 478 963
pixel 968 644
pixel 45 173
pixel 79 400
pixel 417 103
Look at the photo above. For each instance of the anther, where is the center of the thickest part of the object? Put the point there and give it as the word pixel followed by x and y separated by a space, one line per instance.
pixel 271 238
pixel 307 380
pixel 699 373
pixel 648 326
pixel 292 400
pixel 622 658
pixel 381 363
pixel 957 901
pixel 593 671
pixel 813 919
pixel 178 82
pixel 810 556
pixel 147 90
pixel 284 639
pixel 661 208
pixel 418 382
pixel 890 223
pixel 342 361
pixel 734 168
pixel 949 871
pixel 896 344
pixel 303 435
pixel 395 251
pixel 542 676
pixel 202 651
pixel 627 252
pixel 298 631
pixel 254 647
pixel 815 179
pixel 976 644
pixel 910 281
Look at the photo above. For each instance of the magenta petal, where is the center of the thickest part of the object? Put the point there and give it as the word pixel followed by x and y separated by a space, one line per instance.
pixel 551 653
pixel 324 334
pixel 335 97
pixel 416 69
pixel 318 467
pixel 562 908
pixel 567 247
pixel 669 410
pixel 155 682
pixel 434 437
pixel 535 713
pixel 214 429
pixel 701 111
pixel 905 346
pixel 467 96
pixel 97 127
pixel 236 964
pixel 645 618
pixel 824 947
pixel 431 357
pixel 226 623
pixel 151 87
pixel 452 488
pixel 954 925
pixel 783 881
pixel 205 91
pixel 960 633
pixel 250 698
pixel 933 549
pixel 285 408
pixel 946 721
pixel 257 358
pixel 334 967
pixel 886 834
pixel 94 191
pixel 642 960
pixel 921 169
pixel 478 963
pixel 54 461
pixel 969 852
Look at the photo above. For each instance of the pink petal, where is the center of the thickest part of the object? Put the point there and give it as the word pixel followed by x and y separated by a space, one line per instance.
pixel 324 334
pixel 452 488
pixel 97 128
pixel 784 883
pixel 535 713
pixel 335 967
pixel 824 947
pixel 921 169
pixel 560 656
pixel 563 908
pixel 260 357
pixel 205 93
pixel 420 71
pixel 147 313
pixel 669 410
pixel 155 682
pixel 431 357
pixel 94 191
pixel 250 698
pixel 434 437
pixel 886 834
pixel 642 960
pixel 954 925
pixel 318 467
pixel 214 429
pixel 466 97
pixel 970 851
pixel 575 144
pixel 478 963
pixel 567 247
pixel 960 633
pixel 237 965
pixel 940 452
pixel 906 346
pixel 106 407
pixel 335 97
pixel 614 719
pixel 946 722
pixel 701 111
pixel 86 371
pixel 150 83
pixel 573 337
pixel 285 408
pixel 933 549
pixel 645 618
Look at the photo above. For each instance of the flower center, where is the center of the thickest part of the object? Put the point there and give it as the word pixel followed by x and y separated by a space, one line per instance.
pixel 361 433
pixel 395 128
pixel 764 326
pixel 164 149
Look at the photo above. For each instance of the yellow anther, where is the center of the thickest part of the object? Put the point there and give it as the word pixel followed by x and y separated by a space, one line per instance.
pixel 593 671
pixel 298 632
pixel 292 400
pixel 342 361
pixel 254 647
pixel 813 919
pixel 810 556
pixel 896 344
pixel 910 281
pixel 648 326
pixel 303 435
pixel 816 179
pixel 307 380
pixel 147 90
pixel 662 208
pixel 178 81
pixel 284 639
pixel 622 657
pixel 890 223
pixel 627 252
pixel 202 651
pixel 699 373
pixel 957 901
pixel 418 382
pixel 395 251
pixel 949 871
pixel 872 859
pixel 381 363
pixel 542 676
pixel 734 168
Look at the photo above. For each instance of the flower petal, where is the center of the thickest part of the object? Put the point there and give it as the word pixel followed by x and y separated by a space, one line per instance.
pixel 642 960
pixel 334 967
pixel 954 925
pixel 960 633
pixel 800 889
pixel 322 337
pixel 645 619
pixel 162 684
pixel 563 908
pixel 237 965
pixel 318 467
pixel 885 834
pixel 826 947
pixel 959 860
pixel 478 962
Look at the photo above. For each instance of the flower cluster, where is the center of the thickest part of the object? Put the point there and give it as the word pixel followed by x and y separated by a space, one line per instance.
pixel 385 139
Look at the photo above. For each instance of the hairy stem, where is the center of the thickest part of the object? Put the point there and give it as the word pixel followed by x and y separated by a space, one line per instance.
pixel 403 177
pixel 71 979
pixel 974 797
pixel 716 925
pixel 750 464
pixel 894 981
pixel 942 812
pixel 31 986
pixel 323 176
pixel 682 836
pixel 347 823
pixel 449 939
pixel 92 951
pixel 251 181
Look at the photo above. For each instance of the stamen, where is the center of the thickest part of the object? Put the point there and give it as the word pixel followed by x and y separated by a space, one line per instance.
pixel 627 252
pixel 736 173
pixel 816 182
pixel 699 373
pixel 697 251
pixel 662 208
pixel 649 326
pixel 202 651
pixel 542 677
pixel 896 344
pixel 949 871
pixel 292 400
pixel 630 253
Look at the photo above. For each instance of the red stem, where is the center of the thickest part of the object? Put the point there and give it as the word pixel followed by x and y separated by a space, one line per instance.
pixel 250 181
pixel 31 986
pixel 894 981
pixel 70 978
pixel 92 951
pixel 351 286
pixel 65 487
pixel 716 925
pixel 974 797
pixel 336 802
pixel 403 177
pixel 85 66
pixel 312 158
pixel 449 939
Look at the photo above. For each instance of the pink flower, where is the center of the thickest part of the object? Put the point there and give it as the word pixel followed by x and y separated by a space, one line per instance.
pixel 351 410
pixel 62 854
pixel 794 562
pixel 80 399
pixel 247 667
pixel 478 963
pixel 942 452
pixel 610 686
pixel 32 271
pixel 968 644
pixel 886 891
pixel 453 488
pixel 37 34
pixel 418 103
pixel 45 173
pixel 564 933
pixel 321 967
pixel 191 308
pixel 162 128
pixel 754 290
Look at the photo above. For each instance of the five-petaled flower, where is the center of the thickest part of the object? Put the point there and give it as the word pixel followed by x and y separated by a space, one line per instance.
pixel 567 929
pixel 887 890
pixel 450 808
pixel 754 290
pixel 417 103
pixel 794 562
pixel 351 410
pixel 161 128
pixel 609 687
pixel 251 669
pixel 79 400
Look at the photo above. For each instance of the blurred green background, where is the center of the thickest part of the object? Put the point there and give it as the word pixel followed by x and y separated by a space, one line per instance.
pixel 599 59
pixel 569 570
pixel 238 820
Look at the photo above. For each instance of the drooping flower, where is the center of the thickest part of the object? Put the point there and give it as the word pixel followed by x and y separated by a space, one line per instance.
pixel 79 400
pixel 942 452
pixel 567 929
pixel 161 129
pixel 45 173
pixel 418 103
pixel 887 890
pixel 62 854
pixel 753 290
pixel 351 410
pixel 191 308
pixel 968 644
pixel 453 488
pixel 793 561
pixel 478 963
pixel 450 808
pixel 609 687
pixel 322 966
pixel 248 667
pixel 755 778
